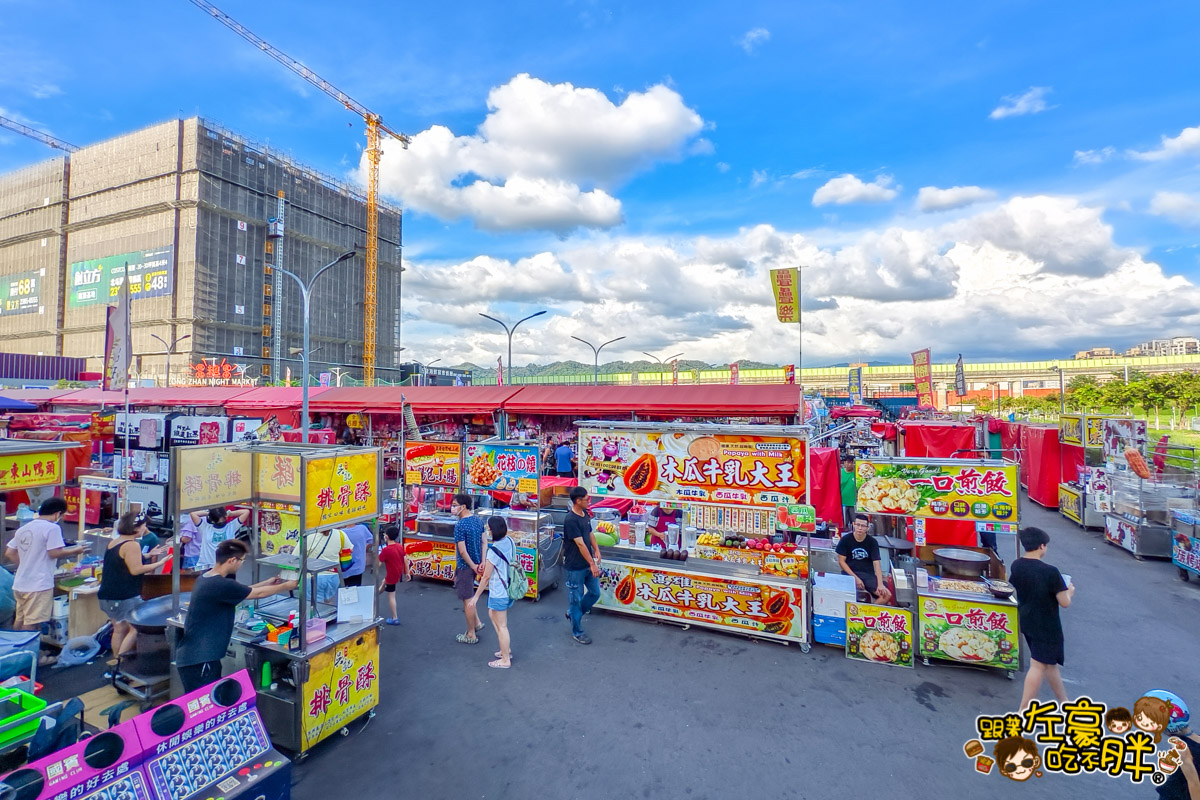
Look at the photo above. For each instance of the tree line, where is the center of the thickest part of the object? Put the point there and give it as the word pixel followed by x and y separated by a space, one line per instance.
pixel 1174 393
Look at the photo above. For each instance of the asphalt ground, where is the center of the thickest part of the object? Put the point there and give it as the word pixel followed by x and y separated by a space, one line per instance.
pixel 654 710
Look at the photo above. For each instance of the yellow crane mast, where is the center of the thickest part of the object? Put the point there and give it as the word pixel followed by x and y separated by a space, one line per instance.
pixel 375 128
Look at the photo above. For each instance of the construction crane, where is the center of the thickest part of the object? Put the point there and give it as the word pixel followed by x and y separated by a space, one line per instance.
pixel 33 133
pixel 375 129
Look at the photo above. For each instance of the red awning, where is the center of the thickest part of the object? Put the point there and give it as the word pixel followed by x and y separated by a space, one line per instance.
pixel 855 411
pixel 424 399
pixel 270 398
pixel 37 396
pixel 171 397
pixel 705 400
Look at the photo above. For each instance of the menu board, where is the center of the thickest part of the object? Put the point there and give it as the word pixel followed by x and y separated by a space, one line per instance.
pixel 736 469
pixel 506 467
pixel 974 490
pixel 879 634
pixel 433 463
pixel 969 631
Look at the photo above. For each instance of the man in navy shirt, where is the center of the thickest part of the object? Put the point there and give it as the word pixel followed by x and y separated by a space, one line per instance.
pixel 564 458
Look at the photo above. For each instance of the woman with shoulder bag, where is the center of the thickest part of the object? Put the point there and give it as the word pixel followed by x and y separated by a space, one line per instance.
pixel 495 579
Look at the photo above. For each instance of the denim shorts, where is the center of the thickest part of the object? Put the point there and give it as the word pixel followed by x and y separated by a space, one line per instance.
pixel 119 610
pixel 499 602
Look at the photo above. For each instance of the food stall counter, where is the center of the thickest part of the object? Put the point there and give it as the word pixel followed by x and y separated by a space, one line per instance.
pixel 1185 546
pixel 961 621
pixel 429 550
pixel 721 595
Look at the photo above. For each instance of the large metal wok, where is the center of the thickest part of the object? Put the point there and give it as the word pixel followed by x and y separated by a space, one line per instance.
pixel 965 563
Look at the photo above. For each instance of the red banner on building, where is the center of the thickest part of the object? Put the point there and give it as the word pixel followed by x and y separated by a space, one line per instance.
pixel 733 373
pixel 923 378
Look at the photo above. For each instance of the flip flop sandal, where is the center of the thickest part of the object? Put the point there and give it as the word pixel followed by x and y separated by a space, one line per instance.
pixel 392 621
pixel 497 665
pixel 497 655
pixel 462 637
pixel 480 627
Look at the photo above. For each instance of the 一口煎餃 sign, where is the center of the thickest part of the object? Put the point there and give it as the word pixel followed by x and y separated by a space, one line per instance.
pixel 968 489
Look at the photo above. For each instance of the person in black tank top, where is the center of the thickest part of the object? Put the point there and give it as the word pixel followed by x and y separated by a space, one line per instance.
pixel 121 581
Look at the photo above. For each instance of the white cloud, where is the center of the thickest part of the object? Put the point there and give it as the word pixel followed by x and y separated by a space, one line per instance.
pixel 752 38
pixel 722 166
pixel 849 189
pixel 1177 207
pixel 1094 156
pixel 1033 275
pixel 1032 101
pixel 931 198
pixel 546 157
pixel 758 177
pixel 1186 143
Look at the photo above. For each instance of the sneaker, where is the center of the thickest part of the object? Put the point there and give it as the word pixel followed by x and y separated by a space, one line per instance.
pixel 583 638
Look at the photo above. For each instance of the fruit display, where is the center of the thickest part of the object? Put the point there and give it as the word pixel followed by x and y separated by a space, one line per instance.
pixel 674 555
pixel 607 533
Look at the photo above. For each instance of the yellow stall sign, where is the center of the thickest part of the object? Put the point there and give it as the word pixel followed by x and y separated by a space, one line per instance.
pixel 343 684
pixel 277 477
pixel 212 476
pixel 341 488
pixel 27 470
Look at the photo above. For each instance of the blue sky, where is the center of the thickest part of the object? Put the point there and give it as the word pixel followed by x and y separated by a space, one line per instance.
pixel 636 168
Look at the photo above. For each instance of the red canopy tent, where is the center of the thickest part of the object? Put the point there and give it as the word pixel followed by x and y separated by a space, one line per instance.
pixel 263 402
pixel 424 399
pixel 705 400
pixel 942 441
pixel 1071 460
pixel 826 495
pixel 1043 453
pixel 855 411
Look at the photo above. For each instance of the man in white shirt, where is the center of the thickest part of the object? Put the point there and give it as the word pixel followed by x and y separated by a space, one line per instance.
pixel 36 546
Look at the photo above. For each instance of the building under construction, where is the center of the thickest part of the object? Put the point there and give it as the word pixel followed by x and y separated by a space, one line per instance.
pixel 199 217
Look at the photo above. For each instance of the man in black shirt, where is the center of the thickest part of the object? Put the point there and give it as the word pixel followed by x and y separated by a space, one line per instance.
pixel 1041 591
pixel 209 622
pixel 581 558
pixel 858 556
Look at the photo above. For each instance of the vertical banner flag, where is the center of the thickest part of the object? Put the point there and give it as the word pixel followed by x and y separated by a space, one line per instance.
pixel 117 345
pixel 789 374
pixel 960 378
pixel 923 378
pixel 856 394
pixel 675 372
pixel 733 373
pixel 500 371
pixel 785 284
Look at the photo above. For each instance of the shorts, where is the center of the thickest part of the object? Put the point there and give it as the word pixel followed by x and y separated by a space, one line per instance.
pixel 390 588
pixel 189 562
pixel 33 608
pixel 1045 651
pixel 499 602
pixel 464 583
pixel 869 581
pixel 119 610
pixel 352 580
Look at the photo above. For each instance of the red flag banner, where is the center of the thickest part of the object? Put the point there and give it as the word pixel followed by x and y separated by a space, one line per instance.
pixel 789 374
pixel 733 373
pixel 923 378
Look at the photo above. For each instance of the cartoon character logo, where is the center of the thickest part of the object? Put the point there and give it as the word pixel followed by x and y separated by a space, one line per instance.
pixel 1017 758
pixel 1119 720
pixel 1152 714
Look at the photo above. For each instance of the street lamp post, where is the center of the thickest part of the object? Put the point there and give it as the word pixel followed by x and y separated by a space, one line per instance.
pixel 170 348
pixel 596 356
pixel 305 293
pixel 425 371
pixel 510 332
pixel 661 365
pixel 1062 391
